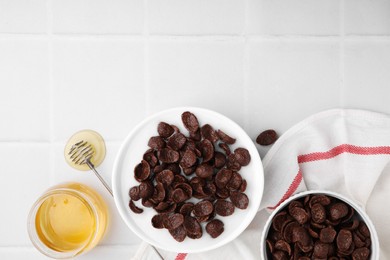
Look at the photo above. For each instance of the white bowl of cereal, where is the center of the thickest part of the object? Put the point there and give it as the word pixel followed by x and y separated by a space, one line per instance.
pixel 319 224
pixel 185 226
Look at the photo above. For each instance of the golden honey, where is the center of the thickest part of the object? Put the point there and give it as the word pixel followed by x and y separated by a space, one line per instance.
pixel 97 143
pixel 67 220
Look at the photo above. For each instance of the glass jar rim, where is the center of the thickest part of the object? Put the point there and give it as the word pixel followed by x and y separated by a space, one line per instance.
pixel 31 226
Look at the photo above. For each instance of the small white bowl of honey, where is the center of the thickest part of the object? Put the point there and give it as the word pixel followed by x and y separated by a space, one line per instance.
pixel 67 220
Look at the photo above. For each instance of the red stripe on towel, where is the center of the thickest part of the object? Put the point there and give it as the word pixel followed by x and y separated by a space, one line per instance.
pixel 291 189
pixel 344 148
pixel 181 256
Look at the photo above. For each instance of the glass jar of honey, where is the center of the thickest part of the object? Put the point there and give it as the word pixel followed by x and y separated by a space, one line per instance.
pixel 67 220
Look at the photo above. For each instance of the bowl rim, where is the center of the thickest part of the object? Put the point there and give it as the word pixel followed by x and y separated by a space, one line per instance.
pixel 375 251
pixel 122 150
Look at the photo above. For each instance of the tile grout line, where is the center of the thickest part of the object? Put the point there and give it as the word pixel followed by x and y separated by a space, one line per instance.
pixel 246 66
pixel 200 37
pixel 146 58
pixel 124 37
pixel 342 54
pixel 51 89
pixel 54 142
pixel 31 247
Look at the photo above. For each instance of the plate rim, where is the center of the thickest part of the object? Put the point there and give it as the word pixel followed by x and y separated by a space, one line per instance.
pixel 122 150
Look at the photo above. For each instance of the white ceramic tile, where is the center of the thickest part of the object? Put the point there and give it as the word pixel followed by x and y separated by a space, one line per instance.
pixel 99 252
pixel 23 16
pixel 300 17
pixel 367 17
pixel 24 91
pixel 204 74
pixel 111 252
pixel 196 16
pixel 97 85
pixel 118 232
pixel 367 75
pixel 289 81
pixel 97 16
pixel 22 184
pixel 20 253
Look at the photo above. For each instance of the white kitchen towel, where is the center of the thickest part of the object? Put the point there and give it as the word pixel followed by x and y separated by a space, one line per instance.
pixel 346 151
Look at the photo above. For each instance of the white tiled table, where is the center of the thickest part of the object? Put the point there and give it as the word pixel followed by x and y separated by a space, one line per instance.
pixel 265 64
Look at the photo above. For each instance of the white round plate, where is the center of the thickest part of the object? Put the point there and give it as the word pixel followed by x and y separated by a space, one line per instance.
pixel 131 153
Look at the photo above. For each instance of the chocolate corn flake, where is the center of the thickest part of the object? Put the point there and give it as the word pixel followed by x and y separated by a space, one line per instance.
pixel 134 208
pixel 219 160
pixel 158 221
pixel 165 130
pixel 318 227
pixel 176 141
pixel 242 156
pixel 188 159
pixel 199 167
pixel 156 142
pixel 168 155
pixel 225 138
pixel 142 171
pixel 215 228
pixel 239 199
pixel 134 193
pixel 190 122
pixel 207 132
pixel 179 233
pixel 192 226
pixel 223 177
pixel 204 170
pixel 203 208
pixel 146 189
pixel 207 150
pixel 267 137
pixel 225 147
pixel 224 207
pixel 173 221
pixel 186 208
